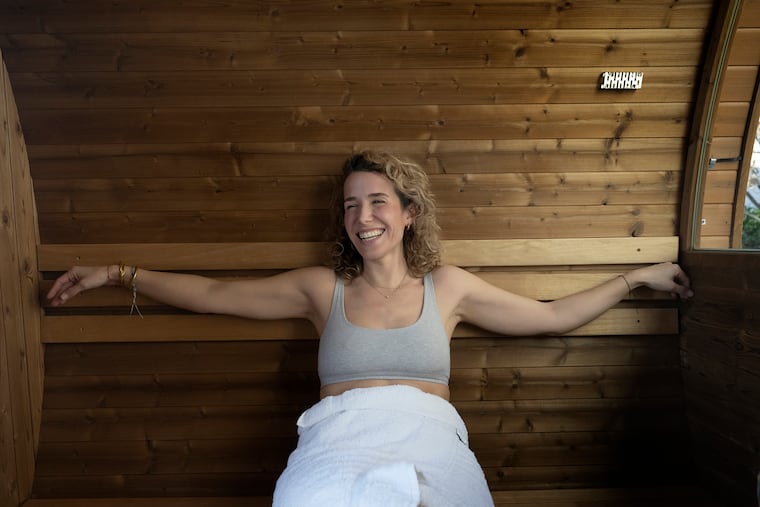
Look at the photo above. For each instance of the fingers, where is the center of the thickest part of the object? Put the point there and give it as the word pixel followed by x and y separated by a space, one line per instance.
pixel 681 283
pixel 66 286
pixel 61 289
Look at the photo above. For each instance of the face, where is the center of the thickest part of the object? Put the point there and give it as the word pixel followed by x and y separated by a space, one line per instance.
pixel 373 215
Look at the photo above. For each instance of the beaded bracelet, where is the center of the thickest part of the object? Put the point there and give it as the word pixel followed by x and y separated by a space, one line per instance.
pixel 132 277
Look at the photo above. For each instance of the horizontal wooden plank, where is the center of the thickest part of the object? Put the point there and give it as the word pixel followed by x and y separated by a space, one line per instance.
pixel 719 187
pixel 213 455
pixel 182 358
pixel 308 192
pixel 481 417
pixel 582 251
pixel 725 147
pixel 161 16
pixel 179 359
pixel 211 256
pixel 349 87
pixel 170 423
pixel 742 47
pixel 572 448
pixel 149 485
pixel 156 328
pixel 564 383
pixel 730 119
pixel 264 226
pixel 716 220
pixel 167 390
pixel 575 351
pixel 203 389
pixel 165 457
pixel 326 158
pixel 347 49
pixel 503 417
pixel 335 123
pixel 737 84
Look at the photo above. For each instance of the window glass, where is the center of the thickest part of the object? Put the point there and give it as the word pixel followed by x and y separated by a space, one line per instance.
pixel 751 223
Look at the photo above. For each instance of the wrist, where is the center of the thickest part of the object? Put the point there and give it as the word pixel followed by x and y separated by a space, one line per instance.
pixel 628 285
pixel 633 279
pixel 112 274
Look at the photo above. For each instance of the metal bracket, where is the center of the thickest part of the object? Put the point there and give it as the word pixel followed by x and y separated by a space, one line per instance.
pixel 713 161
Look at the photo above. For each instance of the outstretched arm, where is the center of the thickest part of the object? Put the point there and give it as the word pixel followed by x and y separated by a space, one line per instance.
pixel 577 309
pixel 287 295
pixel 503 312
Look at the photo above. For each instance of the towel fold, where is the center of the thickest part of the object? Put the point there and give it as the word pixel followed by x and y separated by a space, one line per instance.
pixel 393 484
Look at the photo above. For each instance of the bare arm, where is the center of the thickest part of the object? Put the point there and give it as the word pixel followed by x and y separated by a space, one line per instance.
pixel 500 311
pixel 291 294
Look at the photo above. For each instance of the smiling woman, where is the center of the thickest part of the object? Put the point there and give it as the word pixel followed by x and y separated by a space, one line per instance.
pixel 384 427
pixel 409 185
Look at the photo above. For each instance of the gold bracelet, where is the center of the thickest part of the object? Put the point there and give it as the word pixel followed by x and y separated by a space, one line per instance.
pixel 121 273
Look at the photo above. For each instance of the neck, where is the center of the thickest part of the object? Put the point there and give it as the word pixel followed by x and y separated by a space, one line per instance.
pixel 386 280
pixel 385 275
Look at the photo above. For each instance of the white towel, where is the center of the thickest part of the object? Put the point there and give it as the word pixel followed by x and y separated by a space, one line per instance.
pixel 370 447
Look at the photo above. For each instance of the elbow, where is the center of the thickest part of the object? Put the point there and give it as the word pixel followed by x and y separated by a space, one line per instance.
pixel 559 323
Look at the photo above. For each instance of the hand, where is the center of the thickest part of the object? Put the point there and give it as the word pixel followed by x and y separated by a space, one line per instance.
pixel 79 279
pixel 667 277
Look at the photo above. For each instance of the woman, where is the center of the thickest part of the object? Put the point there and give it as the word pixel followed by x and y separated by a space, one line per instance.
pixel 384 430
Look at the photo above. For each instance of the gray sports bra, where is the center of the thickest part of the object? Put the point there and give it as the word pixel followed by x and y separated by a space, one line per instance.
pixel 416 352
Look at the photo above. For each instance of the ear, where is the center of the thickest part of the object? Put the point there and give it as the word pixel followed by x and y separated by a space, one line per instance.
pixel 412 213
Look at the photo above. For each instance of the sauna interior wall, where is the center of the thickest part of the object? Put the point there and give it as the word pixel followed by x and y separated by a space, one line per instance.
pixel 228 122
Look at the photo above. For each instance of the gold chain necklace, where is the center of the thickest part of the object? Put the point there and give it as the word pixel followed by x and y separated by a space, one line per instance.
pixel 392 289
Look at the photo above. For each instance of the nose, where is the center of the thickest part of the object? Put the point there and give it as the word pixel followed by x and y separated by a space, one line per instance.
pixel 365 214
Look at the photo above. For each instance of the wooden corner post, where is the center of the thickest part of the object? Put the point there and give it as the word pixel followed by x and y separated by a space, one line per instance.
pixel 21 359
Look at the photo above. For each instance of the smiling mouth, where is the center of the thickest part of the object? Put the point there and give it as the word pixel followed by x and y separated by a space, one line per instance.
pixel 368 235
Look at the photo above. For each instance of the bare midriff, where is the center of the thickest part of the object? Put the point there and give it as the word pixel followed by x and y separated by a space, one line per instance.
pixel 337 388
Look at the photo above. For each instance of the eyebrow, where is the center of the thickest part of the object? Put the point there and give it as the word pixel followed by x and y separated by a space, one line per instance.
pixel 375 194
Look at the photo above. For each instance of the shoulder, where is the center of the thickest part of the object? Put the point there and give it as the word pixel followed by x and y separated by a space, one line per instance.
pixel 447 274
pixel 317 284
pixel 453 280
pixel 314 282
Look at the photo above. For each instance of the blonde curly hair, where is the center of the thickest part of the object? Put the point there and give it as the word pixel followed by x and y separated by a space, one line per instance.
pixel 421 240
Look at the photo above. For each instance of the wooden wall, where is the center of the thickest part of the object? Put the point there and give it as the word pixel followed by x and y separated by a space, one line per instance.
pixel 193 138
pixel 721 339
pixel 21 368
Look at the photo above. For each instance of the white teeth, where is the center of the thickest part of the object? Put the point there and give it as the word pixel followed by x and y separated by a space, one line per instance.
pixel 370 234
